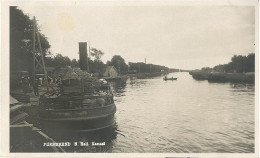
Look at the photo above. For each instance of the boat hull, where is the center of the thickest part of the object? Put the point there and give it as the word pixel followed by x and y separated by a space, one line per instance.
pixel 78 119
pixel 165 79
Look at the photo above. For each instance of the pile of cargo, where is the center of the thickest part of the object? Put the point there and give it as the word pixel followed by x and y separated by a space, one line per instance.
pixel 73 81
pixel 73 73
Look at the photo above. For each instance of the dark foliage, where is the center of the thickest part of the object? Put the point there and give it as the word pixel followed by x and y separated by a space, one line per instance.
pixel 119 63
pixel 238 64
pixel 146 68
pixel 59 61
pixel 21 35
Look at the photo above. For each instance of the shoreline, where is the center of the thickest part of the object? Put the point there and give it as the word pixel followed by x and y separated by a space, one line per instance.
pixel 248 77
pixel 147 75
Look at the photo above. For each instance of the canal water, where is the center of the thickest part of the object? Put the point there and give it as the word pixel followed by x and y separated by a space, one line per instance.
pixel 180 116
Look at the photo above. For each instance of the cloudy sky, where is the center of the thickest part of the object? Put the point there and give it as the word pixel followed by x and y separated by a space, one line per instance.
pixel 186 37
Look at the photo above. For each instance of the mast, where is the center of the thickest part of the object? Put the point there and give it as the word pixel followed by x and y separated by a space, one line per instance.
pixel 34 50
pixel 38 62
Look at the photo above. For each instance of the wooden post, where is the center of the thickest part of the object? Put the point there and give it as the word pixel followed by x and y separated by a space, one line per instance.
pixel 119 71
pixel 88 56
pixel 87 59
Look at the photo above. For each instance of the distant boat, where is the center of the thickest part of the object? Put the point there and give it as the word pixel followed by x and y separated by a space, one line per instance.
pixel 170 78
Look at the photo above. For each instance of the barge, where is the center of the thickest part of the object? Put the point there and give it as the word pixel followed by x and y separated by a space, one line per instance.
pixel 82 103
pixel 79 101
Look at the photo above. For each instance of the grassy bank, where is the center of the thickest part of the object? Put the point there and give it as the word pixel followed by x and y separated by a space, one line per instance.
pixel 224 77
pixel 199 75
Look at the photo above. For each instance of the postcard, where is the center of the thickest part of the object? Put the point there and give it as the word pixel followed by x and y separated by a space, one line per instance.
pixel 130 79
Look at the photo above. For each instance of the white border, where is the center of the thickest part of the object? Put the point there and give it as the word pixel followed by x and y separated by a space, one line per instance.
pixel 4 115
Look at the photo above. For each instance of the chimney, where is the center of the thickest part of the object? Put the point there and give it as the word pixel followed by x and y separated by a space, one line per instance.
pixel 83 56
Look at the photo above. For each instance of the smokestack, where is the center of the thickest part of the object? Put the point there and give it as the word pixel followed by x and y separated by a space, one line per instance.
pixel 145 60
pixel 83 56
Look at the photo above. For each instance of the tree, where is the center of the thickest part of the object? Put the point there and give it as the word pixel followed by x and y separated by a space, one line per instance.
pixel 206 69
pixel 146 68
pixel 74 63
pixel 21 35
pixel 238 64
pixel 49 61
pixel 250 63
pixel 98 65
pixel 229 68
pixel 219 68
pixel 61 61
pixel 119 63
pixel 97 54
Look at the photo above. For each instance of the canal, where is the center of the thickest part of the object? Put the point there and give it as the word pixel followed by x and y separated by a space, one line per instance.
pixel 180 116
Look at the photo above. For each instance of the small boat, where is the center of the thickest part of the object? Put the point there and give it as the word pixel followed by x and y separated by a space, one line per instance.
pixel 170 78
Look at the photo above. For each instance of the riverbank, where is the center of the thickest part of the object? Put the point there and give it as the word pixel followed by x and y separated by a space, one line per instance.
pixel 116 79
pixel 248 77
pixel 147 75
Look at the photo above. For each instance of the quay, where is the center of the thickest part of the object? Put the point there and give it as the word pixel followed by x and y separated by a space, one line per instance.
pixel 27 136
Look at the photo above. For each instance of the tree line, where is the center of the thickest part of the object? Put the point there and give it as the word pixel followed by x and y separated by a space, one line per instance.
pixel 238 64
pixel 21 55
pixel 97 66
pixel 21 35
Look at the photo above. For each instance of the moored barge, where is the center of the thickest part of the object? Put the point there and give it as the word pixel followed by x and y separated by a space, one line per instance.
pixel 79 101
pixel 82 103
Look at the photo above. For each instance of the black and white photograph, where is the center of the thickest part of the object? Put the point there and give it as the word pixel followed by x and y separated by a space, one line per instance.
pixel 132 77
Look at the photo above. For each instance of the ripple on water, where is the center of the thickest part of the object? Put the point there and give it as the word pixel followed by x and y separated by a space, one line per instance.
pixel 181 116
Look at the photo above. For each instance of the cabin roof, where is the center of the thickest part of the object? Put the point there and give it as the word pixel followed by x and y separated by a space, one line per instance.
pixel 110 67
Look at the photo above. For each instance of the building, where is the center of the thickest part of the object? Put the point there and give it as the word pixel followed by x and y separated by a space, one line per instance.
pixel 111 71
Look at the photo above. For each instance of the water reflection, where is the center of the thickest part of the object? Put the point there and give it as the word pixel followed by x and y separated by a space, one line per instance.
pixel 243 87
pixel 138 83
pixel 118 86
pixel 186 115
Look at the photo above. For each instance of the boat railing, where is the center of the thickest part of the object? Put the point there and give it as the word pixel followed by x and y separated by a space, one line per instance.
pixel 89 113
pixel 87 101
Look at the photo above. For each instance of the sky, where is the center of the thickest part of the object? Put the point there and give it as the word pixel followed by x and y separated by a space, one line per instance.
pixel 183 37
